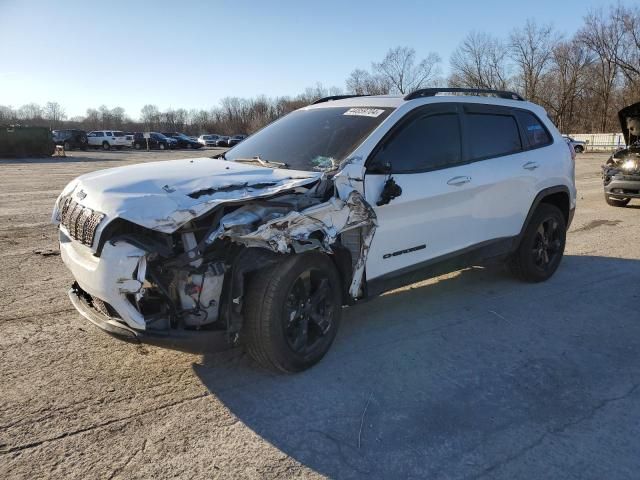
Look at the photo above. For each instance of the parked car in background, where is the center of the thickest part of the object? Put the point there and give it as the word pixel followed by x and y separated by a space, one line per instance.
pixel 129 137
pixel 223 141
pixel 208 140
pixel 156 141
pixel 183 141
pixel 107 139
pixel 70 139
pixel 577 145
pixel 236 139
pixel 621 173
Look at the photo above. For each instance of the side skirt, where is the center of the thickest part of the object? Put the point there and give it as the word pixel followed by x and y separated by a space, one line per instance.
pixel 492 250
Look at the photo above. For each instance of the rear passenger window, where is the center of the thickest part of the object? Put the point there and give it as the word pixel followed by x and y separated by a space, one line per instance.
pixel 490 135
pixel 536 134
pixel 426 143
pixel 99 134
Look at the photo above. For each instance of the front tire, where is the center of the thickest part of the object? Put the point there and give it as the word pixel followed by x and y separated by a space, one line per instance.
pixel 106 146
pixel 542 245
pixel 292 312
pixel 616 202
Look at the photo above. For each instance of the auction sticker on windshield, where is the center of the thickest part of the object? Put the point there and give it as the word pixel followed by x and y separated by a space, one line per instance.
pixel 364 112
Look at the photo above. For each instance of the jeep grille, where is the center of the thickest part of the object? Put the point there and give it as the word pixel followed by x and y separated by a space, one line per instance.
pixel 81 222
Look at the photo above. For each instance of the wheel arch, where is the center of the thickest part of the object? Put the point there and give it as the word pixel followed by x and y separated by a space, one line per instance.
pixel 557 196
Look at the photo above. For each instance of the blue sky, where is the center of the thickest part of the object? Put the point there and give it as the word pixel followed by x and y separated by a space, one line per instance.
pixel 192 53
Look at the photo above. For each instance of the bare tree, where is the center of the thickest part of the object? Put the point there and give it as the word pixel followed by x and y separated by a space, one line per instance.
pixel 54 113
pixel 603 39
pixel 30 112
pixel 565 85
pixel 399 68
pixel 150 116
pixel 7 114
pixel 361 82
pixel 480 61
pixel 531 50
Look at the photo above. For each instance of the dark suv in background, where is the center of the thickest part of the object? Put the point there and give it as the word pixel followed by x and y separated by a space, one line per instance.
pixel 183 140
pixel 236 139
pixel 70 139
pixel 156 140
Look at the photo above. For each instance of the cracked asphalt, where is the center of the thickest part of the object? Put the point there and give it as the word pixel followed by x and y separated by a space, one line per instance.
pixel 469 375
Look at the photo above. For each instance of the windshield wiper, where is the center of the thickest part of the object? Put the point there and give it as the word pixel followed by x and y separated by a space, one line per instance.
pixel 220 155
pixel 264 163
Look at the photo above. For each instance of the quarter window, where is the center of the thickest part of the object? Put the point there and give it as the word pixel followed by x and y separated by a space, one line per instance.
pixel 536 134
pixel 426 143
pixel 490 135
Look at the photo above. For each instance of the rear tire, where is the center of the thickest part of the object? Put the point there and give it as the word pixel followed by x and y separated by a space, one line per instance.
pixel 579 149
pixel 542 245
pixel 162 146
pixel 616 202
pixel 137 146
pixel 67 147
pixel 292 312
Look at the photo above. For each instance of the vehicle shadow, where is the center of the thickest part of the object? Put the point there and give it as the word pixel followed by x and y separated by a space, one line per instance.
pixel 449 377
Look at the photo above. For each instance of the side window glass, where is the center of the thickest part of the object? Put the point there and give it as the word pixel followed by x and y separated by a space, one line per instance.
pixel 426 143
pixel 536 134
pixel 99 134
pixel 109 134
pixel 491 135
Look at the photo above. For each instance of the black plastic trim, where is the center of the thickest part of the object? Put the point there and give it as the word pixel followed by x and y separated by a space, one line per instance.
pixel 335 97
pixel 432 92
pixel 490 250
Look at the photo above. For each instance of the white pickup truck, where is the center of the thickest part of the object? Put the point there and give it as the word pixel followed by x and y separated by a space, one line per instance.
pixel 335 202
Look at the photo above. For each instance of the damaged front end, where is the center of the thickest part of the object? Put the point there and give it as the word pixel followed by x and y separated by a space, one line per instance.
pixel 621 173
pixel 188 269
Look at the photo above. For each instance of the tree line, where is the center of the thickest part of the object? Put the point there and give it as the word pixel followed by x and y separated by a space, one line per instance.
pixel 582 80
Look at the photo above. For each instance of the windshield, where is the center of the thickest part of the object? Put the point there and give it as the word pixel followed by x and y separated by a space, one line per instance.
pixel 315 139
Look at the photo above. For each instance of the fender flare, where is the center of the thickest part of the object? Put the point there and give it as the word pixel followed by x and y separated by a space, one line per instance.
pixel 542 194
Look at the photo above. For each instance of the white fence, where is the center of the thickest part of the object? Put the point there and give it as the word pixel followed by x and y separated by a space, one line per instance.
pixel 600 141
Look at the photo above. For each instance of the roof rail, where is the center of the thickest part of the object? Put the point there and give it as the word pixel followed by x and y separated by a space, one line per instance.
pixel 432 92
pixel 335 97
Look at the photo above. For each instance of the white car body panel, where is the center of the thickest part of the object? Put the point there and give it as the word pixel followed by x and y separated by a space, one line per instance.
pixel 155 195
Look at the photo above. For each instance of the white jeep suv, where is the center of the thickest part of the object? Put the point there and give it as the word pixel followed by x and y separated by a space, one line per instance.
pixel 107 139
pixel 335 202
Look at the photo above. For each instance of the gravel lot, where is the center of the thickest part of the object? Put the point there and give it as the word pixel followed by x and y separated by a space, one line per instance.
pixel 469 375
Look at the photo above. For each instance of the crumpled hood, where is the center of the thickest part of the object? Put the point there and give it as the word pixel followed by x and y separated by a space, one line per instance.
pixel 630 112
pixel 165 195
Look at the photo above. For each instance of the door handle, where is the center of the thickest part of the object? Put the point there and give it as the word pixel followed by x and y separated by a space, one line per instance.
pixel 457 181
pixel 530 165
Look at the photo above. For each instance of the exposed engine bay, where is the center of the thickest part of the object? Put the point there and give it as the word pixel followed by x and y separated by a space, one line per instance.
pixel 193 276
pixel 621 173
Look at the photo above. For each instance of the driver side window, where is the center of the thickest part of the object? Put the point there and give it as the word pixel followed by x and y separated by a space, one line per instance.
pixel 429 142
